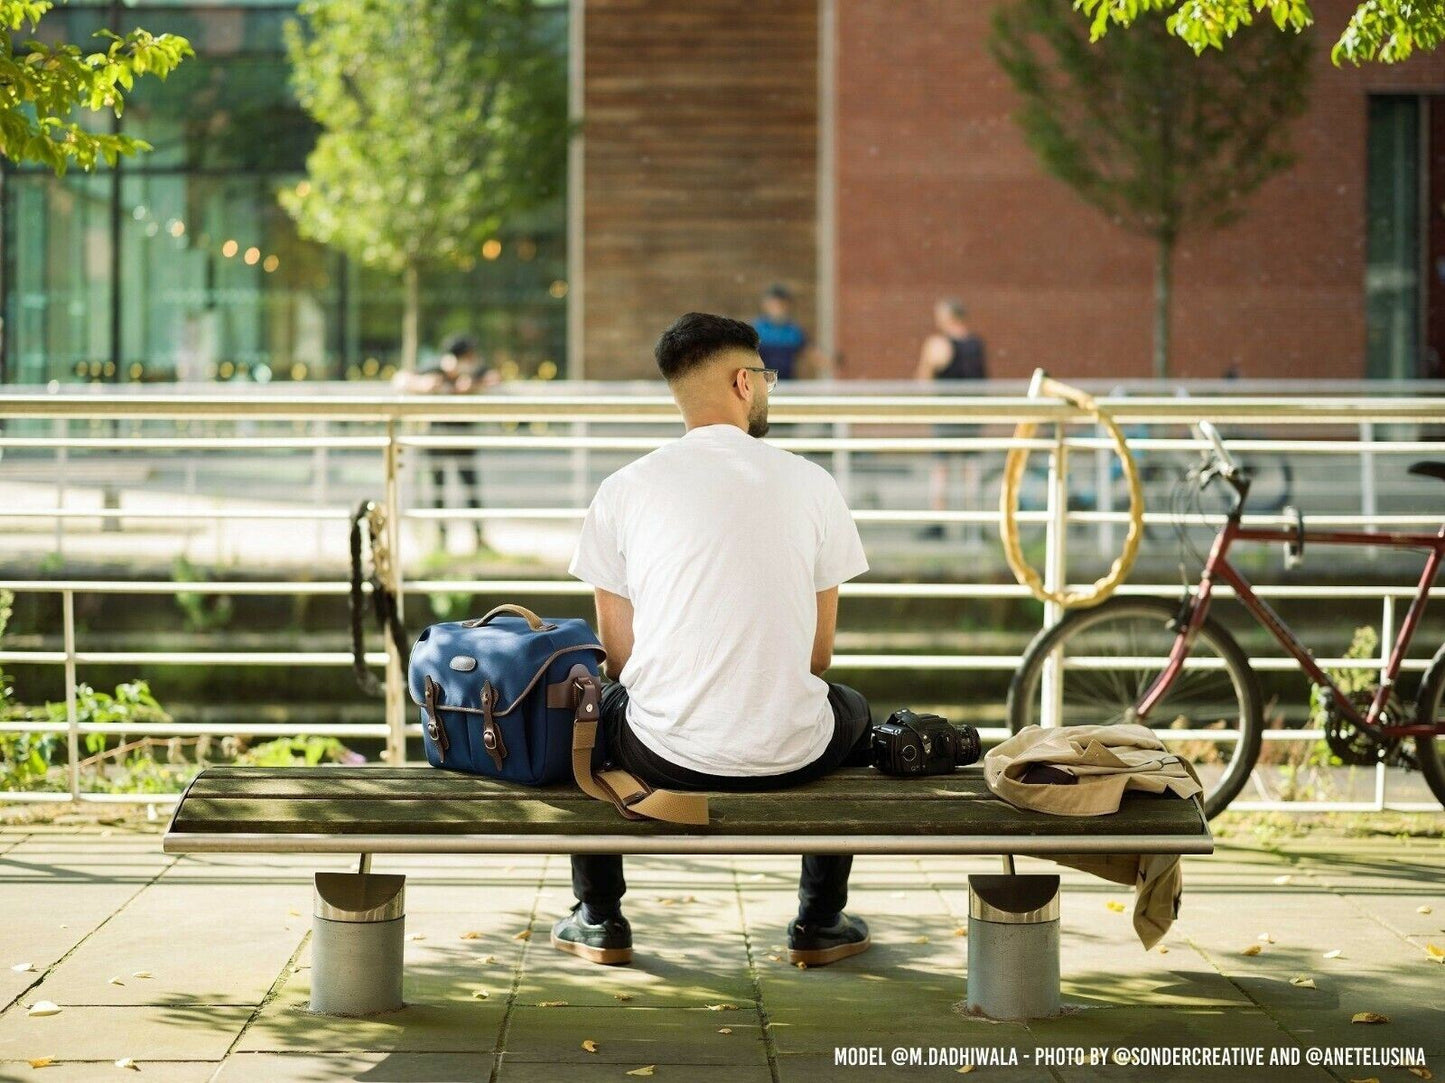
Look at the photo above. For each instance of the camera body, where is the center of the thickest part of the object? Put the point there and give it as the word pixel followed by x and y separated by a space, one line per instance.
pixel 922 744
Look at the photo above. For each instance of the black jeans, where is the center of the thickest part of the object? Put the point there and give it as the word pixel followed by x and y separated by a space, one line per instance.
pixel 597 879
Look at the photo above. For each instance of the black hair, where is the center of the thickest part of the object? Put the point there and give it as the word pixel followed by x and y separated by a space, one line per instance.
pixel 698 337
pixel 460 346
pixel 778 291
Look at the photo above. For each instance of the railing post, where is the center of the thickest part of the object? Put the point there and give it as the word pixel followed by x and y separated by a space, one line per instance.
pixel 1369 503
pixel 320 469
pixel 62 457
pixel 581 466
pixel 1104 498
pixel 395 671
pixel 72 719
pixel 1055 574
pixel 843 463
pixel 1387 642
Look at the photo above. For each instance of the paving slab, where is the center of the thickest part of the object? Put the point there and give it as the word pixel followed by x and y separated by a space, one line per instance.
pixel 391 1067
pixel 455 1024
pixel 635 1036
pixel 78 1071
pixel 522 1071
pixel 174 1032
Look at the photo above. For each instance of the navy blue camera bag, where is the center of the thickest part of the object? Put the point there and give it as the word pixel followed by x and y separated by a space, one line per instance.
pixel 517 698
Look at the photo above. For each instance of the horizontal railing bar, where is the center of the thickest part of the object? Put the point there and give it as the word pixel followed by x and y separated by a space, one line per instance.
pixel 204 729
pixel 200 513
pixel 198 443
pixel 577 587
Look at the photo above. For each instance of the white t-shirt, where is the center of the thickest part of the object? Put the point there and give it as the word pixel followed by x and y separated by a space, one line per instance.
pixel 722 542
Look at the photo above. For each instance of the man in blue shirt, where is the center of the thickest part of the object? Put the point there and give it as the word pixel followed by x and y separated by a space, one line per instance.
pixel 782 343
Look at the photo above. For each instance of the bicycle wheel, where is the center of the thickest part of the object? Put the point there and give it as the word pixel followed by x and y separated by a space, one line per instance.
pixel 1430 751
pixel 1112 654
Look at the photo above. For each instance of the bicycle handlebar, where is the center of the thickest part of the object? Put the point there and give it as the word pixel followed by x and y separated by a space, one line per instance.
pixel 1227 465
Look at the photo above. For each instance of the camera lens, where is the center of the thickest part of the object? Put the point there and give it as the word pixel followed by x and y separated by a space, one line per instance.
pixel 910 753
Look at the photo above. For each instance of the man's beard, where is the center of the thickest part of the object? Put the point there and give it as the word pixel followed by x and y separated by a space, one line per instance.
pixel 758 422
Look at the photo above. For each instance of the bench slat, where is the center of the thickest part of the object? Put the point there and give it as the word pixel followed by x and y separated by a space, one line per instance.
pixel 422 801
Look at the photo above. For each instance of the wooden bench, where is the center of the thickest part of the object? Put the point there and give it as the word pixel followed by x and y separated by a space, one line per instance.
pixel 357 919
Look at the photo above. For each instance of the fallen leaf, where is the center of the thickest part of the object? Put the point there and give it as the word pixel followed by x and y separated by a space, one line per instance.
pixel 776 958
pixel 962 930
pixel 964 1069
pixel 1302 982
pixel 646 1069
pixel 801 966
pixel 1369 1017
pixel 1367 1079
pixel 1435 952
pixel 1266 938
pixel 920 940
pixel 1335 954
pixel 525 934
pixel 689 898
pixel 1422 910
pixel 481 994
pixel 724 1030
pixel 1422 1073
pixel 1163 950
pixel 490 959
pixel 116 981
pixel 23 968
pixel 471 934
pixel 294 913
pixel 551 1003
pixel 128 1062
pixel 1115 905
pixel 417 936
pixel 1282 880
pixel 590 1045
pixel 141 974
pixel 42 1062
pixel 722 1007
pixel 44 1007
pixel 621 996
pixel 1253 949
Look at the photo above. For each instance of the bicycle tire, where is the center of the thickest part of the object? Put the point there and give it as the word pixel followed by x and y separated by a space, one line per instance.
pixel 1024 687
pixel 1428 752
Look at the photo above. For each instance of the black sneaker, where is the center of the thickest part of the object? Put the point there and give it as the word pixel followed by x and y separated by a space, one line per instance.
pixel 609 943
pixel 819 945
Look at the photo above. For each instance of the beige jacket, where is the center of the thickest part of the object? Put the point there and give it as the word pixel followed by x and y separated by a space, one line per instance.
pixel 1106 761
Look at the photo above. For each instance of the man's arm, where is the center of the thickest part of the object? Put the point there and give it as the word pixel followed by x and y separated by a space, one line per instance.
pixel 827 625
pixel 934 356
pixel 614 624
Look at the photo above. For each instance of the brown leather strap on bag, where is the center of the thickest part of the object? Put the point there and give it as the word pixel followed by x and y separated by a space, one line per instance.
pixel 632 797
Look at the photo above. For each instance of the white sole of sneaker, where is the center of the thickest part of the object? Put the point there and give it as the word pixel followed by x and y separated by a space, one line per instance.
pixel 605 956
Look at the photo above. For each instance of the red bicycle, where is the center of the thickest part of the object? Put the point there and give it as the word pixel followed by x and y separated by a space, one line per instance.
pixel 1178 670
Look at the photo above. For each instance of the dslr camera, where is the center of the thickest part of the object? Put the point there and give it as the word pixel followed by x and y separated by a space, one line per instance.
pixel 922 744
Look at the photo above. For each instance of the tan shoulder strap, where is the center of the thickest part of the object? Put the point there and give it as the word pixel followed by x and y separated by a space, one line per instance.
pixel 632 797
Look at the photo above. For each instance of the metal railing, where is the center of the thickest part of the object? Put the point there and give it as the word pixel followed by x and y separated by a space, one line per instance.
pixel 386 419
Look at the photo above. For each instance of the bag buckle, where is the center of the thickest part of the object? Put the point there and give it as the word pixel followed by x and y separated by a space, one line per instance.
pixel 434 728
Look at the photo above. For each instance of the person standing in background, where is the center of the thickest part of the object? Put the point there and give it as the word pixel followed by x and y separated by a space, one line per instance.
pixel 460 371
pixel 782 342
pixel 952 352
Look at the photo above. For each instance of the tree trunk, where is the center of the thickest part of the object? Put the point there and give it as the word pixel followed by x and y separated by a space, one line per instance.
pixel 1163 290
pixel 410 316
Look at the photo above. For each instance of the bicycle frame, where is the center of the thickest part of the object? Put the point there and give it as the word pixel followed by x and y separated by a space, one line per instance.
pixel 1218 569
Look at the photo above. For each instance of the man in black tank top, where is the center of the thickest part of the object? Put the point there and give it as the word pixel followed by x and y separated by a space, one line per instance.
pixel 953 352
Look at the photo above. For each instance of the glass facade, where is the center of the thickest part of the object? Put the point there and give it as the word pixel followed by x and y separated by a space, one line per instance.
pixel 180 264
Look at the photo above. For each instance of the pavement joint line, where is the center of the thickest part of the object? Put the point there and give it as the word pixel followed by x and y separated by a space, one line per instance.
pixel 1370 915
pixel 500 1050
pixel 1263 1009
pixel 271 994
pixel 765 1024
pixel 84 939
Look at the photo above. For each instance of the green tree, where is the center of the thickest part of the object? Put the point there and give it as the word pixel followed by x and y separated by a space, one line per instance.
pixel 1160 143
pixel 440 120
pixel 1384 30
pixel 41 86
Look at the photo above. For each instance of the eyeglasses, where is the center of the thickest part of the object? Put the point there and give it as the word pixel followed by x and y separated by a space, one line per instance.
pixel 770 376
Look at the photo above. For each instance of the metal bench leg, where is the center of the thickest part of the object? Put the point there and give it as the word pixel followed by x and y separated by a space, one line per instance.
pixel 357 939
pixel 1013 946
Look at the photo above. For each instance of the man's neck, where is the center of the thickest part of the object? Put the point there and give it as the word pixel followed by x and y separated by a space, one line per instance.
pixel 705 419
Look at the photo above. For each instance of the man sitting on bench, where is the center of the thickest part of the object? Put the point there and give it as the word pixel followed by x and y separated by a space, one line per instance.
pixel 716 561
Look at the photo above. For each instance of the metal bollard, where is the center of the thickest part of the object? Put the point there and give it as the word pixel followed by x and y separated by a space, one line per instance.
pixel 1013 946
pixel 357 939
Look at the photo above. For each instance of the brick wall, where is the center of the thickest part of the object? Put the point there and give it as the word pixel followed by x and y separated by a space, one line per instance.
pixel 938 195
pixel 700 166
